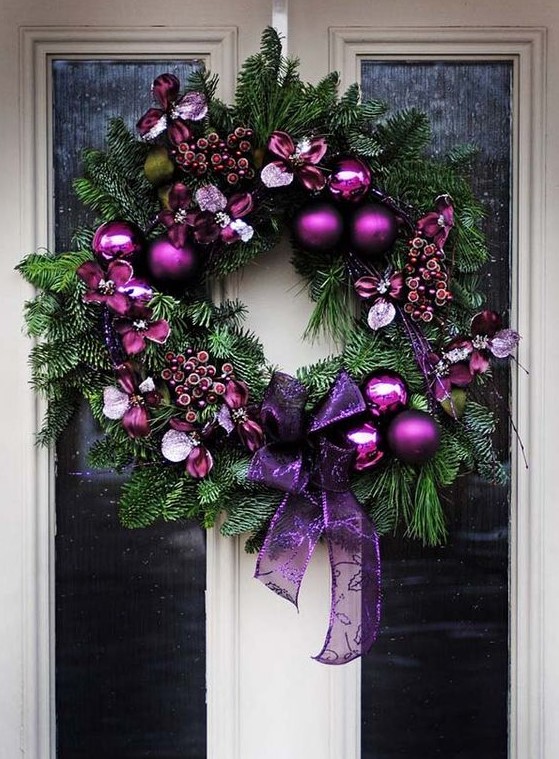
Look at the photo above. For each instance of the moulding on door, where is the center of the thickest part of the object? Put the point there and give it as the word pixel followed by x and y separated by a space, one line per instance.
pixel 218 48
pixel 526 48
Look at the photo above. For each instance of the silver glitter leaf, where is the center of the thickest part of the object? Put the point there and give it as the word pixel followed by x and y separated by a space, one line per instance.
pixel 116 403
pixel 381 314
pixel 504 343
pixel 192 107
pixel 210 198
pixel 224 419
pixel 176 445
pixel 272 176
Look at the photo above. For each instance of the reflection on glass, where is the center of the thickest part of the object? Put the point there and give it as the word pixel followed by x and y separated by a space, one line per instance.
pixel 436 683
pixel 130 626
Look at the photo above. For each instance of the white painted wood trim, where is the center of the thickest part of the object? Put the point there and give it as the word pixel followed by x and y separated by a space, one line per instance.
pixel 526 47
pixel 217 47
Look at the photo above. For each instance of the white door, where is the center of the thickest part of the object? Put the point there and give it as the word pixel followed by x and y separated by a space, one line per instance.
pixel 266 698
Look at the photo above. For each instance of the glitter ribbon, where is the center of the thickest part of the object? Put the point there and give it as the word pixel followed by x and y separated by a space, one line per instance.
pixel 314 473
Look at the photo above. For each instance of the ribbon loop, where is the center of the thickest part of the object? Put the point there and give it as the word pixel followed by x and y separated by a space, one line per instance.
pixel 318 503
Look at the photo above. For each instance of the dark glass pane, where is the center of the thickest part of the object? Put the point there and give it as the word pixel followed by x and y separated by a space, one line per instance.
pixel 130 625
pixel 436 683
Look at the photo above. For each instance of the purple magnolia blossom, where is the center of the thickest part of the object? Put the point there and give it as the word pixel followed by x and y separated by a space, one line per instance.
pixel 450 369
pixel 295 160
pixel 488 338
pixel 173 110
pixel 105 288
pixel 236 399
pixel 139 327
pixel 383 290
pixel 436 225
pixel 178 217
pixel 184 443
pixel 129 402
pixel 221 218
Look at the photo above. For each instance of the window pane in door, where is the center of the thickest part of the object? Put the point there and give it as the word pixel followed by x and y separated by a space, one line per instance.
pixel 436 682
pixel 130 627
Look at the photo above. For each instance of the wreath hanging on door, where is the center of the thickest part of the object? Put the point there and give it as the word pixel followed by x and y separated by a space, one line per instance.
pixel 389 246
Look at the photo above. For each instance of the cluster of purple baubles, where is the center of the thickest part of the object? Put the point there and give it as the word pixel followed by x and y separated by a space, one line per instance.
pixel 389 426
pixel 366 227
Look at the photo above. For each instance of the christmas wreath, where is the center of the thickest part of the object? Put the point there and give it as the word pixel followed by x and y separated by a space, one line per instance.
pixel 388 244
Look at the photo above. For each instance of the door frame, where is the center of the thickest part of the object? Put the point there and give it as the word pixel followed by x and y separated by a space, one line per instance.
pixel 218 47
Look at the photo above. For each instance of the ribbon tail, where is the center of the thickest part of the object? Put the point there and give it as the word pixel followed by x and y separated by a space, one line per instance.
pixel 291 539
pixel 353 547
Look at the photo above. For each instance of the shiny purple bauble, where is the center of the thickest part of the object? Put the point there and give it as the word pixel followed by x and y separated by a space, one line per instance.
pixel 372 230
pixel 318 227
pixel 137 289
pixel 172 267
pixel 350 179
pixel 366 440
pixel 385 393
pixel 414 436
pixel 117 239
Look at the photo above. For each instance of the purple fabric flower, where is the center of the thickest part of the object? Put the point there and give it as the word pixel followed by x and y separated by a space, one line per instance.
pixel 139 327
pixel 450 369
pixel 220 218
pixel 129 403
pixel 184 443
pixel 436 225
pixel 236 400
pixel 104 287
pixel 488 338
pixel 295 160
pixel 178 218
pixel 190 107
pixel 383 290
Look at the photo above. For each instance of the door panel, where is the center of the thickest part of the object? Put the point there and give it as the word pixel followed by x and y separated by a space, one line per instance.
pixel 278 703
pixel 130 616
pixel 442 656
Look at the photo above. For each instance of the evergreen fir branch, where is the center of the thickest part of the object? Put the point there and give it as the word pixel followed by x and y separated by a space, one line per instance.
pixel 427 522
pixel 462 157
pixel 250 512
pixel 332 314
pixel 59 411
pixel 49 271
pixel 108 453
pixel 403 136
pixel 144 495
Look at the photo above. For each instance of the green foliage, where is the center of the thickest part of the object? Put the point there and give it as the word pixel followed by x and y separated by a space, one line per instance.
pixel 70 360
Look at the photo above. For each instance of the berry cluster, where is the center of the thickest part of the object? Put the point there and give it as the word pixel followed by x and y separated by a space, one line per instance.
pixel 229 157
pixel 195 383
pixel 426 280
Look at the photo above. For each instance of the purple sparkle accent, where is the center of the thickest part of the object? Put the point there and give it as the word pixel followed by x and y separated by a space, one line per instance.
pixel 381 314
pixel 112 342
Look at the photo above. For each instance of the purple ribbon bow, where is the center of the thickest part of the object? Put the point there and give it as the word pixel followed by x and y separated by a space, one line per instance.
pixel 314 474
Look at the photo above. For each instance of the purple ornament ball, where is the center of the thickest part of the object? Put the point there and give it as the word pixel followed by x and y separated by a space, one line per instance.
pixel 366 439
pixel 318 227
pixel 385 393
pixel 117 239
pixel 172 267
pixel 137 289
pixel 373 230
pixel 414 436
pixel 350 179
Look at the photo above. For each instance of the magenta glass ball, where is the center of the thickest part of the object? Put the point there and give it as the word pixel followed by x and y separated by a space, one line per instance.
pixel 172 266
pixel 366 439
pixel 385 393
pixel 372 230
pixel 318 227
pixel 350 179
pixel 137 289
pixel 117 239
pixel 414 436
